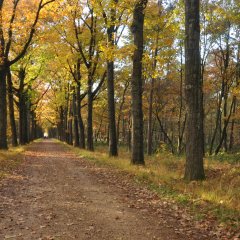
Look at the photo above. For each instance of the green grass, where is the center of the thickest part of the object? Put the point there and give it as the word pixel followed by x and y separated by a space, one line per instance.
pixel 217 196
pixel 10 160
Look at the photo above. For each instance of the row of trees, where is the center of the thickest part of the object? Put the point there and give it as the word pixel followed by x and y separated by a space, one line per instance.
pixel 17 29
pixel 102 52
pixel 118 71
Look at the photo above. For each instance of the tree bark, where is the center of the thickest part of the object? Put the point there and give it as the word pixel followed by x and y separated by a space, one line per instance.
pixel 136 83
pixel 113 149
pixel 90 146
pixel 224 131
pixel 80 121
pixel 150 111
pixel 180 127
pixel 75 120
pixel 120 113
pixel 231 141
pixel 33 126
pixel 3 108
pixel 78 107
pixel 194 169
pixel 11 109
pixel 23 109
pixel 62 134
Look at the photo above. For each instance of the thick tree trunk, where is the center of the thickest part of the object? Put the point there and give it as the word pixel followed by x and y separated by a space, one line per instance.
pixel 136 83
pixel 3 108
pixel 194 169
pixel 113 150
pixel 23 119
pixel 11 110
pixel 23 110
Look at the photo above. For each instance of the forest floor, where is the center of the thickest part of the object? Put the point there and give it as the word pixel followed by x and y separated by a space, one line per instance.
pixel 55 194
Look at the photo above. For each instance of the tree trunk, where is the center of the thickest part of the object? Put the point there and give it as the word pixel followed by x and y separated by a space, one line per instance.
pixel 218 121
pixel 225 122
pixel 224 131
pixel 90 146
pixel 150 114
pixel 75 120
pixel 150 111
pixel 168 139
pixel 78 106
pixel 80 121
pixel 120 113
pixel 136 83
pixel 129 136
pixel 3 108
pixel 70 121
pixel 66 114
pixel 180 131
pixel 113 149
pixel 23 119
pixel 33 126
pixel 11 110
pixel 62 134
pixel 23 109
pixel 194 169
pixel 231 142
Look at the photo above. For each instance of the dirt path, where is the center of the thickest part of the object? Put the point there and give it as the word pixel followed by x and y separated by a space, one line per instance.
pixel 57 195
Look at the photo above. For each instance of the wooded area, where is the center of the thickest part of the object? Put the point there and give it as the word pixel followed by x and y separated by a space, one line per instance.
pixel 150 75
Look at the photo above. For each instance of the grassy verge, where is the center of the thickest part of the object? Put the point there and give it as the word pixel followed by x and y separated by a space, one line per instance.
pixel 10 160
pixel 217 197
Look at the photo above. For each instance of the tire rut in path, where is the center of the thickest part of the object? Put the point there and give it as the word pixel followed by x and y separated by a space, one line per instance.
pixel 55 195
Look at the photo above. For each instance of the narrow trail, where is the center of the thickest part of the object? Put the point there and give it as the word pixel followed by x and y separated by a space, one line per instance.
pixel 57 195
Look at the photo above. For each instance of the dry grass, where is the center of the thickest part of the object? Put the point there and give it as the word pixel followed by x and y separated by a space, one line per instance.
pixel 9 160
pixel 219 193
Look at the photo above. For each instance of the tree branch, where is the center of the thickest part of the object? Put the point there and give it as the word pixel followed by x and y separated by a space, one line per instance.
pixel 25 48
pixel 10 28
